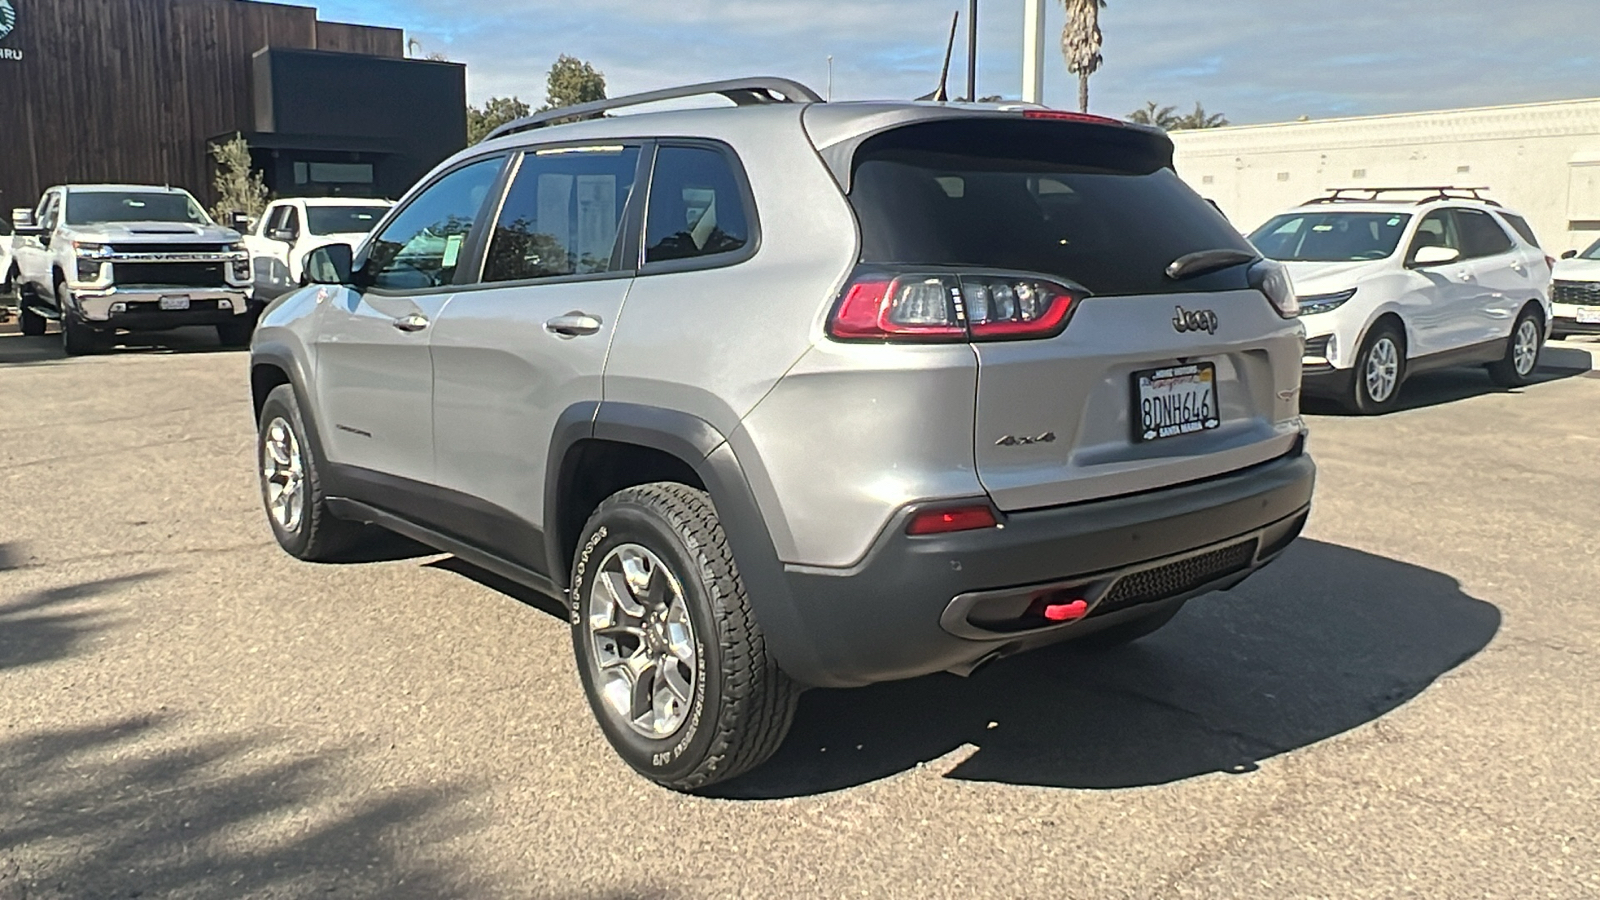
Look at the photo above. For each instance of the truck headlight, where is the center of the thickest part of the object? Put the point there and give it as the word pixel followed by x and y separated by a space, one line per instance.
pixel 91 251
pixel 88 269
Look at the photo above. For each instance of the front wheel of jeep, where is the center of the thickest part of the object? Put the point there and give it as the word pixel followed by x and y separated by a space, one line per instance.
pixel 672 658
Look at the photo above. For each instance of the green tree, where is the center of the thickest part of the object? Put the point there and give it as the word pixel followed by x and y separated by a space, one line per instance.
pixel 571 82
pixel 1081 42
pixel 496 112
pixel 1200 119
pixel 239 188
pixel 1155 114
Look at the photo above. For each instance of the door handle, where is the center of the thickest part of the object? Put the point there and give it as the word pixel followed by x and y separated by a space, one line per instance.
pixel 573 324
pixel 413 322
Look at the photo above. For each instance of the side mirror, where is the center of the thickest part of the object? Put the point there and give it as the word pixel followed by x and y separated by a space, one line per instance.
pixel 1435 256
pixel 1570 254
pixel 23 224
pixel 283 234
pixel 330 264
pixel 239 222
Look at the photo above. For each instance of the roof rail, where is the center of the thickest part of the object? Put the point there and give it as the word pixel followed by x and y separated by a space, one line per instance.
pixel 742 91
pixel 1432 193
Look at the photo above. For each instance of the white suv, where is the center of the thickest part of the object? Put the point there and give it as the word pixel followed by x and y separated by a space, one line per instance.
pixel 1576 294
pixel 1392 287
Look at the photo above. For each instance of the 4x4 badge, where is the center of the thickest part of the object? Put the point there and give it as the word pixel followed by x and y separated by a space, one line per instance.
pixel 1199 320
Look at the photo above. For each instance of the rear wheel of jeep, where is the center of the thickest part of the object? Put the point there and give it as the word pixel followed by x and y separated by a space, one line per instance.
pixel 671 656
pixel 291 485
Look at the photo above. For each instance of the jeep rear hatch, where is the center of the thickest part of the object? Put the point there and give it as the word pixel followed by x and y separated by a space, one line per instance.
pixel 1120 344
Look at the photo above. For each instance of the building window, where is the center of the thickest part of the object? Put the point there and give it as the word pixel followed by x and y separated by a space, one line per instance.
pixel 340 173
pixel 1359 173
pixel 1283 176
pixel 1463 170
pixel 1209 179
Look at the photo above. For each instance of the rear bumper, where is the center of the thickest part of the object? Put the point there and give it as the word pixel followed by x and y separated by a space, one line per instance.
pixel 906 610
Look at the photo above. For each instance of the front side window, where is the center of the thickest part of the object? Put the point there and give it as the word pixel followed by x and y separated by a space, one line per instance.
pixel 324 220
pixel 49 212
pixel 1438 229
pixel 422 246
pixel 100 207
pixel 696 207
pixel 270 221
pixel 1592 253
pixel 291 223
pixel 1480 235
pixel 1331 236
pixel 563 214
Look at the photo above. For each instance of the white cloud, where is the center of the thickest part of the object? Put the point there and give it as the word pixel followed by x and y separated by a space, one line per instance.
pixel 1256 60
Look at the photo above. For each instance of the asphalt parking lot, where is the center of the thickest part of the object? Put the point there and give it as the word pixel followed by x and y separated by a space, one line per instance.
pixel 1403 707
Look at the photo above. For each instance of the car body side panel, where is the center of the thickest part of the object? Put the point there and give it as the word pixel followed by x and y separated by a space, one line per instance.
pixel 852 434
pixel 712 342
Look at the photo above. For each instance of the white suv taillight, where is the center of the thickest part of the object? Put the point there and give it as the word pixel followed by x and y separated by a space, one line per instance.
pixel 934 307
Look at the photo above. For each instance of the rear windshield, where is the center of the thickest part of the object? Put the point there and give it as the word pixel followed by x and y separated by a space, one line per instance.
pixel 97 207
pixel 1091 204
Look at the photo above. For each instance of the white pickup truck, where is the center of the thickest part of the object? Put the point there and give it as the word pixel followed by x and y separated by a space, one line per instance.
pixel 290 229
pixel 104 257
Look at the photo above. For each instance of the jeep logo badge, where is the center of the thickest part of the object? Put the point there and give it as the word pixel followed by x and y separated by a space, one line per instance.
pixel 1199 320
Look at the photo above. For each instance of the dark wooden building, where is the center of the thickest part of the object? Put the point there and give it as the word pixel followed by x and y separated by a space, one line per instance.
pixel 136 90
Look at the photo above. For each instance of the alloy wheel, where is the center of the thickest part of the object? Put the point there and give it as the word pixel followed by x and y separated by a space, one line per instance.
pixel 1525 355
pixel 283 474
pixel 1382 369
pixel 643 641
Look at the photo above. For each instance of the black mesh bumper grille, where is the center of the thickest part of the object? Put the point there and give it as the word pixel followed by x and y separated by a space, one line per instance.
pixel 1176 578
pixel 170 274
pixel 1577 293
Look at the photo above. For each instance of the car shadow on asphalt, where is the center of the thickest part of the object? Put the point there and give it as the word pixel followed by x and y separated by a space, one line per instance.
pixel 1324 641
pixel 138 807
pixel 1444 386
pixel 17 350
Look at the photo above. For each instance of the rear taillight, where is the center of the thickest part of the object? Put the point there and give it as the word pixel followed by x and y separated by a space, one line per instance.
pixel 1271 278
pixel 924 307
pixel 947 521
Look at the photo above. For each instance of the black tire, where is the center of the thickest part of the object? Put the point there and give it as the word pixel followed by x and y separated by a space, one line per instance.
pixel 31 322
pixel 1361 399
pixel 315 535
pixel 1127 632
pixel 78 339
pixel 1518 366
pixel 741 704
pixel 237 333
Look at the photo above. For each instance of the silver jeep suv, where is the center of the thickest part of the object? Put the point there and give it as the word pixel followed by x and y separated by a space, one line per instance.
pixel 796 394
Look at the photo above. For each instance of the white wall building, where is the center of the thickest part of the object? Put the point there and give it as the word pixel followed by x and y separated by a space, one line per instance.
pixel 1542 159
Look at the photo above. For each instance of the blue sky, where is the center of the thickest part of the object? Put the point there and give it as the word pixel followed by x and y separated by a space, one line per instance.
pixel 1254 60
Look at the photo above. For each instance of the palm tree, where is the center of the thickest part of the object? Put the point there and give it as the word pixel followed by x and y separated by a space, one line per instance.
pixel 1200 119
pixel 1155 114
pixel 1081 41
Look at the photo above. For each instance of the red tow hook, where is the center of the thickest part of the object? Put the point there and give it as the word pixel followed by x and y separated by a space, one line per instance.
pixel 1066 612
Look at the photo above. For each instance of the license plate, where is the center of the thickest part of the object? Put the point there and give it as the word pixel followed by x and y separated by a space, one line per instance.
pixel 174 303
pixel 1589 315
pixel 1176 401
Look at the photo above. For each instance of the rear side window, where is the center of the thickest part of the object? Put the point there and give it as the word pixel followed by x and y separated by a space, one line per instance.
pixel 1480 235
pixel 1093 205
pixel 1522 227
pixel 563 214
pixel 697 209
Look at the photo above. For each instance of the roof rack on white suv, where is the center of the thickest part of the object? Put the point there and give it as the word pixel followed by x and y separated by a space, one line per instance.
pixel 1374 194
pixel 742 91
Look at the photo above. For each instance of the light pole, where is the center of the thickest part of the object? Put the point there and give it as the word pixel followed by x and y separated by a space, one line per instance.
pixel 972 51
pixel 1033 51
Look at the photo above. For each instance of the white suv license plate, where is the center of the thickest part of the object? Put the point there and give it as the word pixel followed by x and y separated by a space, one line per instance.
pixel 1589 315
pixel 173 303
pixel 1175 401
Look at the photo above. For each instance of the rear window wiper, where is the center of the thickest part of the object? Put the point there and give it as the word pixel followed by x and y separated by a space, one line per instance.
pixel 1191 264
